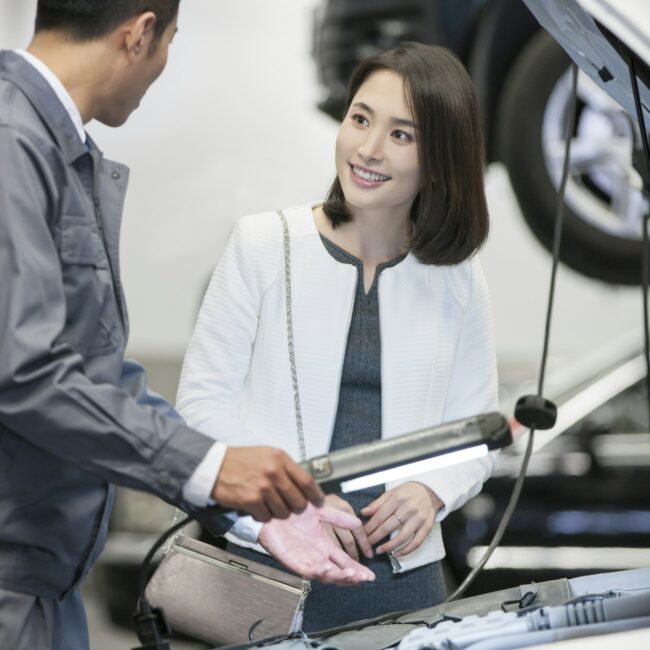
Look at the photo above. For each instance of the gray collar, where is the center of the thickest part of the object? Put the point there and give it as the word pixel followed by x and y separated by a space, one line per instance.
pixel 42 97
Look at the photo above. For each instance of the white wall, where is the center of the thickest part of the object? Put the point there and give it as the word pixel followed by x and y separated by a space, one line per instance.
pixel 231 128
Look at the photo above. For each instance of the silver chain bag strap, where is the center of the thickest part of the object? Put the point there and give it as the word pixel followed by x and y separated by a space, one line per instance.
pixel 286 241
pixel 292 353
pixel 220 597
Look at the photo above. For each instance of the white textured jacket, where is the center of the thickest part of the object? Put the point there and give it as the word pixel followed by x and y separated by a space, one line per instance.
pixel 437 352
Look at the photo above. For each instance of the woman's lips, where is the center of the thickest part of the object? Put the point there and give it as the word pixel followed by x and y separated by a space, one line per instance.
pixel 366 178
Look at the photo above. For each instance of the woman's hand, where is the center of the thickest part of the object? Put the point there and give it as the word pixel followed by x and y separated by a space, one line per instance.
pixel 411 507
pixel 348 540
pixel 303 545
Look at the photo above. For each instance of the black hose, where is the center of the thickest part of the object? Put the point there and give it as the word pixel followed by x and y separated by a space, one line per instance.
pixel 557 240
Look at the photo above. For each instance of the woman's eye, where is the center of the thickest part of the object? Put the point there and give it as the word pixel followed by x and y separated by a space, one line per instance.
pixel 403 136
pixel 360 119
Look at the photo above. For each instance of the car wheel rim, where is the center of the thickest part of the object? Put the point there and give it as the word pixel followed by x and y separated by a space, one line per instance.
pixel 603 188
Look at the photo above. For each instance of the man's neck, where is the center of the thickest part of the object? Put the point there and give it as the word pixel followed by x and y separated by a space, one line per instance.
pixel 78 66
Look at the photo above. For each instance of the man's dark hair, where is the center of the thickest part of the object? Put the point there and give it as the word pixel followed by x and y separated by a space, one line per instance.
pixel 449 215
pixel 85 20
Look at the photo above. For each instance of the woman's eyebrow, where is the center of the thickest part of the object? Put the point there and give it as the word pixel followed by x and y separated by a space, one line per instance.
pixel 400 121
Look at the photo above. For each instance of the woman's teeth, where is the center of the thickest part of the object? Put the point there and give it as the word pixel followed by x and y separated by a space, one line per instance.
pixel 369 176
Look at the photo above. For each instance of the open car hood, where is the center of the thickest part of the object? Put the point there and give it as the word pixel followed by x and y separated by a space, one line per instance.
pixel 592 31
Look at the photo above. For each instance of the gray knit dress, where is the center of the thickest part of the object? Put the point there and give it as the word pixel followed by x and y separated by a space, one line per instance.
pixel 358 420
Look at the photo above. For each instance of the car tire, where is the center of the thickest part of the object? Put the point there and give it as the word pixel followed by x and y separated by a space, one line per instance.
pixel 585 248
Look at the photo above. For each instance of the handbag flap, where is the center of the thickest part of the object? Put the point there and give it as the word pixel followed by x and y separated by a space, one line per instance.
pixel 237 562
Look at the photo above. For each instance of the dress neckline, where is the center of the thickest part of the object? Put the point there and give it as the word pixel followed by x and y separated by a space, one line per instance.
pixel 345 257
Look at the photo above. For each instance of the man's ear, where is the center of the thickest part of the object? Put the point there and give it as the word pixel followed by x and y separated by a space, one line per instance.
pixel 137 33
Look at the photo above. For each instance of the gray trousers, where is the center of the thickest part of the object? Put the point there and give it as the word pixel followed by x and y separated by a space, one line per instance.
pixel 35 623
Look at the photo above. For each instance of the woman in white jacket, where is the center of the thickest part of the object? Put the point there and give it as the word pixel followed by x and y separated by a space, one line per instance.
pixel 391 321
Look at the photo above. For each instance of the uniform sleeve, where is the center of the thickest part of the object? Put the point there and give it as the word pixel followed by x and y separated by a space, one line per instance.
pixel 198 488
pixel 45 396
pixel 133 381
pixel 472 390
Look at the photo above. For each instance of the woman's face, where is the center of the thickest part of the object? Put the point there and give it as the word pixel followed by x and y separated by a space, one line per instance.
pixel 376 148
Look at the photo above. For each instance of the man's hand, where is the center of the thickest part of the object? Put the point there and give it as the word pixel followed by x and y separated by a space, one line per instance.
pixel 304 546
pixel 348 539
pixel 265 482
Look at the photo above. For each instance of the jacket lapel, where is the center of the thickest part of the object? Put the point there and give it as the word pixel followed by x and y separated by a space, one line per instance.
pixel 416 353
pixel 323 295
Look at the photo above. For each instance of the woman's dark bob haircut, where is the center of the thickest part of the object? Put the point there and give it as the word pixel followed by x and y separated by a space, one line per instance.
pixel 450 217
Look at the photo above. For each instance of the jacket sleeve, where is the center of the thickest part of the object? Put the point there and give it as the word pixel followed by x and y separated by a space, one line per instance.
pixel 472 390
pixel 45 396
pixel 133 381
pixel 198 487
pixel 219 354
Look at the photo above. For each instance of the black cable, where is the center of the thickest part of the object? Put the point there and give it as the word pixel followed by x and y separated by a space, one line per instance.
pixel 645 264
pixel 557 240
pixel 645 272
pixel 143 577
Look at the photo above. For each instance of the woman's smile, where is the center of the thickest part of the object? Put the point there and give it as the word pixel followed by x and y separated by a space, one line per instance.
pixel 367 178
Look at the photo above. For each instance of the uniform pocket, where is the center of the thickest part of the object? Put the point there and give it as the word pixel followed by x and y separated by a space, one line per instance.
pixel 81 243
pixel 92 314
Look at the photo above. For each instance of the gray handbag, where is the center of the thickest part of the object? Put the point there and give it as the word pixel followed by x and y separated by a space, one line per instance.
pixel 219 597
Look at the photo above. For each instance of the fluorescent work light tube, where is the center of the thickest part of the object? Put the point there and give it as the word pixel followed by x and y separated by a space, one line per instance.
pixel 413 469
pixel 374 463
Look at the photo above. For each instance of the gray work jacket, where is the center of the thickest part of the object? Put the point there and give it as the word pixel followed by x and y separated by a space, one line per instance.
pixel 73 416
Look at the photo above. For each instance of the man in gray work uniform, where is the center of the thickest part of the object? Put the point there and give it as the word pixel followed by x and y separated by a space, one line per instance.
pixel 74 416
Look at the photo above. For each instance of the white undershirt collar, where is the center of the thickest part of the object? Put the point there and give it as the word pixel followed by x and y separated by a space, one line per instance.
pixel 59 90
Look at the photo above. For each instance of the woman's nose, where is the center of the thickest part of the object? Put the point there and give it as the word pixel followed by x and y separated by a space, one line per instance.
pixel 371 148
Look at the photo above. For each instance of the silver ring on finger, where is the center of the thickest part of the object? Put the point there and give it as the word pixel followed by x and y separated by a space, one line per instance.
pixel 398 519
